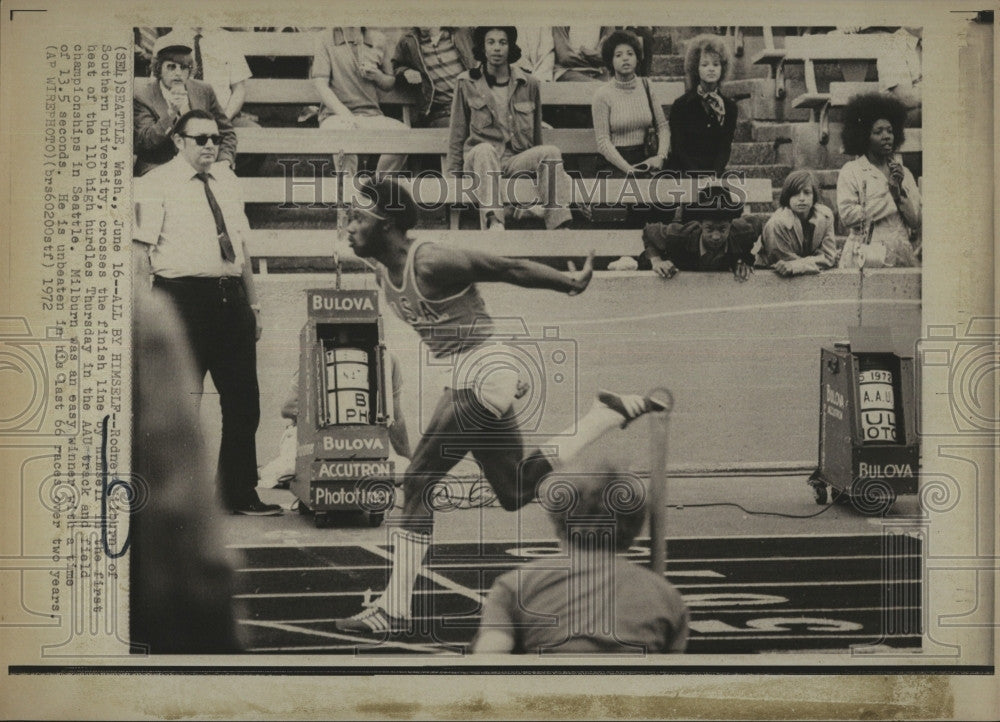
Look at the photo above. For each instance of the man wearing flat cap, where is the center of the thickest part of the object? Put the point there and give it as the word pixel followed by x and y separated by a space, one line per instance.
pixel 170 93
pixel 714 236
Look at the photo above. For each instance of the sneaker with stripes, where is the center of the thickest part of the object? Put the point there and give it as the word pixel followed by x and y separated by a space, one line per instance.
pixel 373 620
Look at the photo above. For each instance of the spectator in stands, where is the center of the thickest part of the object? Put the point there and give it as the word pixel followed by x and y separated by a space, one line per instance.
pixel 703 121
pixel 798 238
pixel 645 35
pixel 578 52
pixel 589 600
pixel 159 102
pixel 578 59
pixel 625 110
pixel 144 40
pixel 433 58
pixel 350 66
pixel 877 196
pixel 222 64
pixel 713 237
pixel 496 128
pixel 538 53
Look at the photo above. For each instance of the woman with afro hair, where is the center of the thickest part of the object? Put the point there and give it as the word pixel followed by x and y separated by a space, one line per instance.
pixel 703 121
pixel 496 129
pixel 625 108
pixel 877 196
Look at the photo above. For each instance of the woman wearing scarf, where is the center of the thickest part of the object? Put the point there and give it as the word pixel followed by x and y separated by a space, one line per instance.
pixel 702 121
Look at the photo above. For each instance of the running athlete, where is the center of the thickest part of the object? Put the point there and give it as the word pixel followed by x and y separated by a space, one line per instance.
pixel 432 287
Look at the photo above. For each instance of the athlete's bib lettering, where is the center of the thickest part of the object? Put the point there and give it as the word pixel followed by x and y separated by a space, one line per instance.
pixel 459 314
pixel 429 315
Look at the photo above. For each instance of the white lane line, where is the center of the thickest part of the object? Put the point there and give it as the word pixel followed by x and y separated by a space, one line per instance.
pixel 365 641
pixel 513 543
pixel 814 536
pixel 729 309
pixel 683 572
pixel 818 583
pixel 466 592
pixel 461 567
pixel 788 637
pixel 438 579
pixel 695 609
pixel 293 595
pixel 341 649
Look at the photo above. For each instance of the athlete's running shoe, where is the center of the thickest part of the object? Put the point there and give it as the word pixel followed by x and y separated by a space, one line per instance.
pixel 373 620
pixel 614 402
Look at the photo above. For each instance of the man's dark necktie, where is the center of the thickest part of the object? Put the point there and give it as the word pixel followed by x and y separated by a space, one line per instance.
pixel 225 245
pixel 199 71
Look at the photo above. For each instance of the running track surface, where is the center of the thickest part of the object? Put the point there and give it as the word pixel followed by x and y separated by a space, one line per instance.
pixel 746 594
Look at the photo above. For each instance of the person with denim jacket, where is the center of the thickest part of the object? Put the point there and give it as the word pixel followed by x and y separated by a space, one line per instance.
pixel 433 58
pixel 496 130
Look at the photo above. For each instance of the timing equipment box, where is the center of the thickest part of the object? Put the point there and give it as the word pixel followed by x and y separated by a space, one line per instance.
pixel 868 445
pixel 344 408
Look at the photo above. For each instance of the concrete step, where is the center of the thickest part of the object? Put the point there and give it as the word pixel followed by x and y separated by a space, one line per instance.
pixel 768 131
pixel 744 130
pixel 774 171
pixel 663 44
pixel 753 153
pixel 827 178
pixel 760 207
pixel 680 34
pixel 667 65
pixel 739 87
pixel 827 72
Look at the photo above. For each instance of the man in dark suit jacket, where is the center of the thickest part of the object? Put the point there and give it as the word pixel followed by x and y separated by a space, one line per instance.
pixel 171 92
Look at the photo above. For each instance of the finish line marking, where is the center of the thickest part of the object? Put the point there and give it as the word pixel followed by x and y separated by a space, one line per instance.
pixel 367 641
pixel 438 579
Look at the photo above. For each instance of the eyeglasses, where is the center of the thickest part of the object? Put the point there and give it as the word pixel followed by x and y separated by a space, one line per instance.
pixel 202 139
pixel 172 66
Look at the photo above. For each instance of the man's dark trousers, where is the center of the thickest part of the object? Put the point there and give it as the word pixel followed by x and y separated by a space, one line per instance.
pixel 220 326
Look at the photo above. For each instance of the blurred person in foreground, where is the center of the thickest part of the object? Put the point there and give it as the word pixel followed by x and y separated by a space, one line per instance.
pixel 182 575
pixel 589 600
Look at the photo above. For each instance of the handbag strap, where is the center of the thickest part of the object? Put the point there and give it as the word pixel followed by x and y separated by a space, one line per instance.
pixel 652 112
pixel 649 97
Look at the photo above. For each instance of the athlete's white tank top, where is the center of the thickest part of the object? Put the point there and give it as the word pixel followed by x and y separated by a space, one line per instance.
pixel 447 326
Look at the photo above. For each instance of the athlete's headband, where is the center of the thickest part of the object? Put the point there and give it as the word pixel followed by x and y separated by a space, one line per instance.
pixel 368 211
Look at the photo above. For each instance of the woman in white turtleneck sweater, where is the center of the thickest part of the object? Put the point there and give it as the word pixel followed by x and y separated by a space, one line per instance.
pixel 622 112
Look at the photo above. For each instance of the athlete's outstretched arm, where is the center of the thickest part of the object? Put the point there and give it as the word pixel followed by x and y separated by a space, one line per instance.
pixel 460 267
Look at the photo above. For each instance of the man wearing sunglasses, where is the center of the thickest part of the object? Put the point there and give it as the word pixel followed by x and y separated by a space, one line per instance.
pixel 172 91
pixel 190 231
